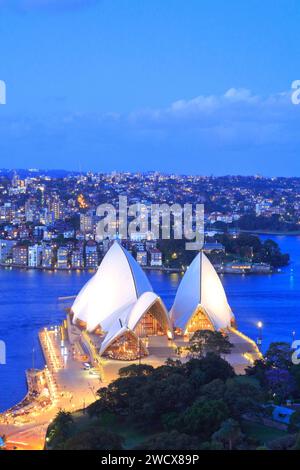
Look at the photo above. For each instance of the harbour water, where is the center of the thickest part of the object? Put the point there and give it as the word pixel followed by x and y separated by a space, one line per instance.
pixel 29 301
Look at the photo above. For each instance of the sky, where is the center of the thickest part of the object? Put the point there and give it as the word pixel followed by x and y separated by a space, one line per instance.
pixel 193 87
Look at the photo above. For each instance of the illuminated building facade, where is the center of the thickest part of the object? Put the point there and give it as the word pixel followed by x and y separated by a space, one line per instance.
pixel 87 223
pixel 35 253
pixel 47 259
pixel 6 247
pixel 119 305
pixel 201 302
pixel 19 255
pixel 91 255
pixel 119 308
pixel 62 258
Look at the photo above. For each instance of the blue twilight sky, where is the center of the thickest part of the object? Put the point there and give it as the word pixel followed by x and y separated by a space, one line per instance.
pixel 185 86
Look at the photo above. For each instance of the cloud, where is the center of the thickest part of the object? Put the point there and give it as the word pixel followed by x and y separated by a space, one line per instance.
pixel 234 132
pixel 232 118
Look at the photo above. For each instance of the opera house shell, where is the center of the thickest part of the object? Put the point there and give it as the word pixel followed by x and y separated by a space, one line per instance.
pixel 119 306
pixel 201 302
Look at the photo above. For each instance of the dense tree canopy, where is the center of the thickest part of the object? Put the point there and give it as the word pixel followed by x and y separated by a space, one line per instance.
pixel 197 404
pixel 208 341
pixel 189 401
pixel 94 438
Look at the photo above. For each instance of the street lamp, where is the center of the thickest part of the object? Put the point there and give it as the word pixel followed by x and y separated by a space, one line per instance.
pixel 293 336
pixel 259 339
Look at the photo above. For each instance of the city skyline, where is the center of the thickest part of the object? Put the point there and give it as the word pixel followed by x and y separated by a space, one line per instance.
pixel 49 222
pixel 115 96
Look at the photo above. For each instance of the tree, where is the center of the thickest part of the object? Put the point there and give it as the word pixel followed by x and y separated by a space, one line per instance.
pixel 173 363
pixel 295 371
pixel 283 443
pixel 280 383
pixel 294 424
pixel 211 367
pixel 61 428
pixel 272 254
pixel 158 396
pixel 143 399
pixel 135 370
pixel 94 439
pixel 204 417
pixel 169 368
pixel 229 433
pixel 297 443
pixel 173 440
pixel 279 355
pixel 211 445
pixel 105 403
pixel 258 370
pixel 214 390
pixel 242 397
pixel 207 341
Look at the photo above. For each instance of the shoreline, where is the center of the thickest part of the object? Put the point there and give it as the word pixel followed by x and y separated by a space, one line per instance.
pixel 164 269
pixel 279 233
pixel 144 268
pixel 91 270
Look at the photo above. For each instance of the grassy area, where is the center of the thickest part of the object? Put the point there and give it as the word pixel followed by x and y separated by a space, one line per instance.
pixel 261 432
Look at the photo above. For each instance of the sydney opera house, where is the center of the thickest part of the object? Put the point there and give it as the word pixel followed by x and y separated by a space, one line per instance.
pixel 201 303
pixel 119 310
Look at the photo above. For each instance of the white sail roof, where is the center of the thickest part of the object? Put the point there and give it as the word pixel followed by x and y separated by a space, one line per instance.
pixel 116 297
pixel 118 283
pixel 201 287
pixel 128 318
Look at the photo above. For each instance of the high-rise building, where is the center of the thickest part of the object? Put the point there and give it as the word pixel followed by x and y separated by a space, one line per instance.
pixel 18 186
pixel 47 259
pixel 141 258
pixel 77 259
pixel 91 255
pixel 6 247
pixel 56 209
pixel 155 257
pixel 87 223
pixel 20 255
pixel 31 210
pixel 46 216
pixel 15 180
pixel 39 231
pixel 7 212
pixel 62 258
pixel 35 254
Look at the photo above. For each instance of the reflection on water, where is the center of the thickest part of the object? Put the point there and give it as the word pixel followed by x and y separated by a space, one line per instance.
pixel 29 301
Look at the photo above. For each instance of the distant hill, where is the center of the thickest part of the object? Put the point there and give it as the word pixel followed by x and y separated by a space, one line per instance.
pixel 23 173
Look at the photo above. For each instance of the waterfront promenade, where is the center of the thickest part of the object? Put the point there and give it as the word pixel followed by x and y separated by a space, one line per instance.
pixel 70 388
